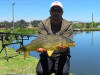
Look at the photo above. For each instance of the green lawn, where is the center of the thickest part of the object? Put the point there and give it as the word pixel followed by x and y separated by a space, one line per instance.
pixel 16 64
pixel 90 29
pixel 21 31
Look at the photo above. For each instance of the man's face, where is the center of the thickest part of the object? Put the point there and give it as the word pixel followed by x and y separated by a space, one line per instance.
pixel 56 11
pixel 56 14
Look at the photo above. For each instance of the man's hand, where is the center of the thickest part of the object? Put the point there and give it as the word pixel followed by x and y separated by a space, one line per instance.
pixel 62 48
pixel 40 50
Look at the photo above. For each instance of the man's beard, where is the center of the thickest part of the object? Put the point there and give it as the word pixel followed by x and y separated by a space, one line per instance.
pixel 56 18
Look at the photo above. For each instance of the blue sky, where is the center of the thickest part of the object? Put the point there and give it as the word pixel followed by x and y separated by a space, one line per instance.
pixel 74 10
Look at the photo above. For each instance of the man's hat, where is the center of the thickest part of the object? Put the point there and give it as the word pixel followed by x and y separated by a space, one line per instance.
pixel 56 3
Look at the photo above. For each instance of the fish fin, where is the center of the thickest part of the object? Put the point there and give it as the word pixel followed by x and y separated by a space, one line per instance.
pixel 26 53
pixel 49 52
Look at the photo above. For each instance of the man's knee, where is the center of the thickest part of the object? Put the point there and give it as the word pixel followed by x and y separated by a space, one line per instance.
pixel 39 69
pixel 39 72
pixel 65 73
pixel 66 67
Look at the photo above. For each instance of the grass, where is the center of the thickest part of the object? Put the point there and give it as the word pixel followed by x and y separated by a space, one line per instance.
pixel 21 30
pixel 35 30
pixel 16 64
pixel 91 29
pixel 87 29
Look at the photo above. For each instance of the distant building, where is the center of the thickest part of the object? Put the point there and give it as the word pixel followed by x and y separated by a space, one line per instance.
pixel 30 26
pixel 77 22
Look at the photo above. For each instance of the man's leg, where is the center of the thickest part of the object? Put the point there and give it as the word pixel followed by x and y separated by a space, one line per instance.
pixel 39 69
pixel 66 67
pixel 62 65
pixel 44 65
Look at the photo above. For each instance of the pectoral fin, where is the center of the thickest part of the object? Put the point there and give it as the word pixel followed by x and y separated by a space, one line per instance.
pixel 49 52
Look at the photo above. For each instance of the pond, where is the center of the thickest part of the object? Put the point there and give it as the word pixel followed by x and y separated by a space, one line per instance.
pixel 85 56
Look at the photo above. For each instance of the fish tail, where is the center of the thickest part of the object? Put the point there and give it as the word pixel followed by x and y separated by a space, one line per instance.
pixel 26 53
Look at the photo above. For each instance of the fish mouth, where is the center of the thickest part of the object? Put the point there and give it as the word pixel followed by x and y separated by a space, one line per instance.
pixel 22 49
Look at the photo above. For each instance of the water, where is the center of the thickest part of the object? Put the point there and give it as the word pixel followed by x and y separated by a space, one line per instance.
pixel 85 55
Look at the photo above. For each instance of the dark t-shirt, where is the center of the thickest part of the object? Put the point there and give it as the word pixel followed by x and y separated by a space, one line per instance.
pixel 56 28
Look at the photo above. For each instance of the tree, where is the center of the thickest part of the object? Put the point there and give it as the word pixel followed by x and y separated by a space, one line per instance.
pixel 21 24
pixel 35 23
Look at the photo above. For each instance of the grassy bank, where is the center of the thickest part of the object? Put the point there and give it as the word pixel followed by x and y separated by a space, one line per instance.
pixel 16 64
pixel 35 30
pixel 90 29
pixel 86 29
pixel 21 30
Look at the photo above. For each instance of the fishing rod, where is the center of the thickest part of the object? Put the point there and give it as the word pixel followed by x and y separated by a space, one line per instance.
pixel 7 37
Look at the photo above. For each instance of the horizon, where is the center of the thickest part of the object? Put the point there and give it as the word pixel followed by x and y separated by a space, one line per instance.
pixel 42 20
pixel 39 10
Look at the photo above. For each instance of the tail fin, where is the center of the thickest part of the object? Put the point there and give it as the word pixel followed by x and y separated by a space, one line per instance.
pixel 23 49
pixel 26 53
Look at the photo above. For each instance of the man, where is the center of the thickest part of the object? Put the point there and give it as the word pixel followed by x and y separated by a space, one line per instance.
pixel 59 62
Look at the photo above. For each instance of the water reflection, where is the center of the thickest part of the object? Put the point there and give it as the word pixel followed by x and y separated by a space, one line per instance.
pixel 92 38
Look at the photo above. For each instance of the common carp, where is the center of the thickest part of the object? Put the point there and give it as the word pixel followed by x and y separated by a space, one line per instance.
pixel 49 42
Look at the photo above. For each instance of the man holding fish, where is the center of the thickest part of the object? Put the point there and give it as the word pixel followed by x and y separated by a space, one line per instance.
pixel 53 42
pixel 59 61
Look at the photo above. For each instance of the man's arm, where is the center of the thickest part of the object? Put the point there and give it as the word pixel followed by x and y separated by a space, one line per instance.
pixel 68 31
pixel 42 30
